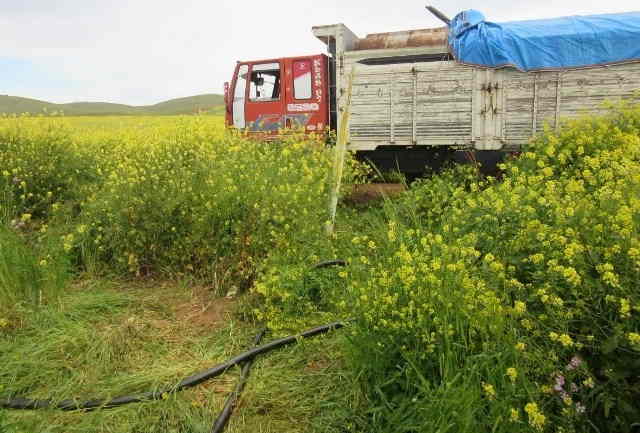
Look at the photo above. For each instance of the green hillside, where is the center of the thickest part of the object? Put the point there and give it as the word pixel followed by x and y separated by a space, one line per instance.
pixel 188 105
pixel 210 103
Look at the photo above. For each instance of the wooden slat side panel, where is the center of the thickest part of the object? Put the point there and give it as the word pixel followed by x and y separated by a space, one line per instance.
pixel 586 90
pixel 519 94
pixel 577 92
pixel 547 97
pixel 383 101
pixel 442 108
pixel 444 105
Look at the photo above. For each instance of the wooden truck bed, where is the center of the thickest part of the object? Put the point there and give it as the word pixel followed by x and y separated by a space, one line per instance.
pixel 446 103
pixel 409 102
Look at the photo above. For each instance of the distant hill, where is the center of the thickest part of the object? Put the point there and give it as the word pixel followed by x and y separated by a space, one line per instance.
pixel 210 103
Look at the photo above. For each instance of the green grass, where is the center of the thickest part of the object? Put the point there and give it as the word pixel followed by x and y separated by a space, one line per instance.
pixel 189 105
pixel 29 277
pixel 106 339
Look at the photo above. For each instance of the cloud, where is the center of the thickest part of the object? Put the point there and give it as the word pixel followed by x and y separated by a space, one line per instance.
pixel 144 51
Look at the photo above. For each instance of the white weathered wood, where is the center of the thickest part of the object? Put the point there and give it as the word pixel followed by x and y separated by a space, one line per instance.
pixel 448 104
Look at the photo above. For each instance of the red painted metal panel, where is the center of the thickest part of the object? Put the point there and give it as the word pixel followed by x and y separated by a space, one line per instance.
pixel 312 110
pixel 227 111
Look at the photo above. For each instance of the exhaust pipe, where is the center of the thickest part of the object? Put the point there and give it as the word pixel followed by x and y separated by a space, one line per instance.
pixel 442 17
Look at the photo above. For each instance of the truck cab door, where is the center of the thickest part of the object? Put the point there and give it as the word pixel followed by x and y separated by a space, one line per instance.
pixel 307 93
pixel 264 108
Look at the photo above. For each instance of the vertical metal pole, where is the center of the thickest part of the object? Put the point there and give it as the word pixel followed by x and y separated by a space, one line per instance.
pixel 414 133
pixel 558 99
pixel 392 124
pixel 339 153
pixel 534 120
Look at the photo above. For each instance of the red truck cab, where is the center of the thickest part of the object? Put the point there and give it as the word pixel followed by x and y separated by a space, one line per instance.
pixel 267 96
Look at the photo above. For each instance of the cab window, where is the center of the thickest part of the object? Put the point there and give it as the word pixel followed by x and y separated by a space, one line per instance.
pixel 302 79
pixel 265 82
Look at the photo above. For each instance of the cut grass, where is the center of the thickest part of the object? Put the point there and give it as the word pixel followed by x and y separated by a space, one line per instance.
pixel 106 340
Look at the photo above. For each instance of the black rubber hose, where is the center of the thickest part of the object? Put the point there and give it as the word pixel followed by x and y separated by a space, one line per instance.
pixel 221 422
pixel 329 263
pixel 191 381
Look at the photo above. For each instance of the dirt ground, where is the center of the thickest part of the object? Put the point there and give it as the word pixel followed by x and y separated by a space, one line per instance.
pixel 365 193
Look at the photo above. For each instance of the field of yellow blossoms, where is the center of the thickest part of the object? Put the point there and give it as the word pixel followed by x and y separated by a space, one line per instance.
pixel 476 304
pixel 503 305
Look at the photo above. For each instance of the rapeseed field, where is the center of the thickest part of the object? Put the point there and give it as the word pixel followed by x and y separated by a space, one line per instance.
pixel 473 303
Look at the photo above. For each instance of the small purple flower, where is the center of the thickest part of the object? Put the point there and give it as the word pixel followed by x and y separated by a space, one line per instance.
pixel 559 386
pixel 574 363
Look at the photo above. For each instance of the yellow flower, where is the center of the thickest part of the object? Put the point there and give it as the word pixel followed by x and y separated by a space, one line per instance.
pixel 515 415
pixel 512 373
pixel 520 307
pixel 536 258
pixel 521 346
pixel 536 417
pixel 634 338
pixel 565 340
pixel 625 308
pixel 546 389
pixel 489 390
pixel 68 242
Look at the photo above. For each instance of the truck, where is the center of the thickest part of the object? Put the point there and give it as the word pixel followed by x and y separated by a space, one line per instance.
pixel 415 100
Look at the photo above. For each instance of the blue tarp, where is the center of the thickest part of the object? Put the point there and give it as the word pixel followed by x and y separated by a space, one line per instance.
pixel 568 42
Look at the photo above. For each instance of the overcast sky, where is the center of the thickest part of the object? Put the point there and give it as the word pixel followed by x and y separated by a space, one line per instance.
pixel 145 51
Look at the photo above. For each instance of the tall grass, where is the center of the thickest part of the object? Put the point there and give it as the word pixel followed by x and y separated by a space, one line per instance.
pixel 7 206
pixel 105 339
pixel 27 279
